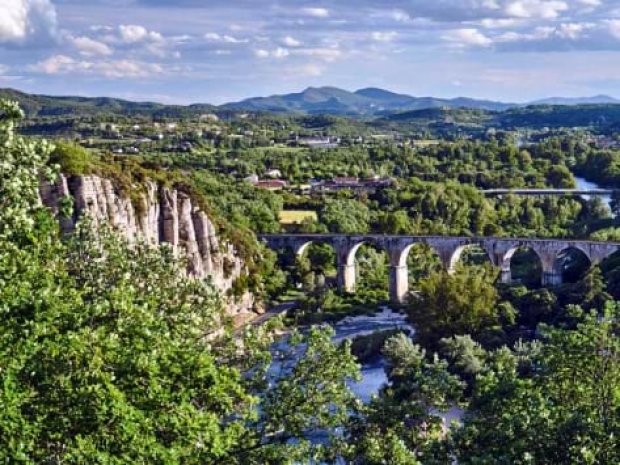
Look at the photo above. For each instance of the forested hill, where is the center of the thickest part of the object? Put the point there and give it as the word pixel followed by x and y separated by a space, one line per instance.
pixel 603 115
pixel 534 116
pixel 43 105
pixel 387 107
pixel 363 102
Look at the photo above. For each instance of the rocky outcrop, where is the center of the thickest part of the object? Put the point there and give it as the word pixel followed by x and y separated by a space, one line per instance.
pixel 158 215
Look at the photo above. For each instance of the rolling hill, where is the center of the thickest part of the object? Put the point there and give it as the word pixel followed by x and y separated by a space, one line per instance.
pixel 369 104
pixel 43 105
pixel 364 102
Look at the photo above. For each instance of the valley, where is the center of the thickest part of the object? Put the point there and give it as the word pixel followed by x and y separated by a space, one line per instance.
pixel 399 271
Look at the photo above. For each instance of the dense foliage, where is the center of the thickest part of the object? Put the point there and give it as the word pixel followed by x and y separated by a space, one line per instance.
pixel 110 354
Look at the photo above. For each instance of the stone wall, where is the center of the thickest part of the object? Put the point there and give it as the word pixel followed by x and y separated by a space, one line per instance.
pixel 160 215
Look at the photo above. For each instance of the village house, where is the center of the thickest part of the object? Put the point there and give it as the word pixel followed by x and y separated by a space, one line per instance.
pixel 271 184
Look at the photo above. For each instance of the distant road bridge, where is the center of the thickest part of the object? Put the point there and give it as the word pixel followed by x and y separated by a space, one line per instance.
pixel 594 192
pixel 500 251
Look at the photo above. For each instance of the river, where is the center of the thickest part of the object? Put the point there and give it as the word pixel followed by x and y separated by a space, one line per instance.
pixel 373 373
pixel 587 185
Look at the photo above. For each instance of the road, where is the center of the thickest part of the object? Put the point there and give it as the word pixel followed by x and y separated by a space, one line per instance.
pixel 269 314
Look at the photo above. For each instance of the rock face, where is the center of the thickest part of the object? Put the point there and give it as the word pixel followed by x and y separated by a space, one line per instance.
pixel 161 215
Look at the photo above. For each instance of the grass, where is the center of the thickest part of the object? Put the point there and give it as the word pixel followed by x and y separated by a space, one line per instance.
pixel 297 216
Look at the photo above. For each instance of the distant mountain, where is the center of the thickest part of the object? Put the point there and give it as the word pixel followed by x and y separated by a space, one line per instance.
pixel 385 96
pixel 368 103
pixel 596 100
pixel 43 105
pixel 364 102
pixel 312 100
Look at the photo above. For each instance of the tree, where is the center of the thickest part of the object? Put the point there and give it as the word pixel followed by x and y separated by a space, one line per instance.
pixel 565 410
pixel 402 425
pixel 111 354
pixel 615 204
pixel 345 216
pixel 307 394
pixel 455 304
pixel 559 176
pixel 467 358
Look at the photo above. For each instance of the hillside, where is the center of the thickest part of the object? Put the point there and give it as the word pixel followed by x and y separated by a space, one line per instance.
pixel 561 116
pixel 369 101
pixel 450 115
pixel 534 116
pixel 43 105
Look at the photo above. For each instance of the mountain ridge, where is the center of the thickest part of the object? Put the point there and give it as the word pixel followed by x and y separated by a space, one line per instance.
pixel 369 101
pixel 366 102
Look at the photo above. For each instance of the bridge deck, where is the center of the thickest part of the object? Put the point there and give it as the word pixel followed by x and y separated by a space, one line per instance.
pixel 549 191
pixel 378 237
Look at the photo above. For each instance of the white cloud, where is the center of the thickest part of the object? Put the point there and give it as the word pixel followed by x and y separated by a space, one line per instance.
pixel 498 23
pixel 132 34
pixel 325 54
pixel 279 52
pixel 546 9
pixel 566 31
pixel 540 33
pixel 89 47
pixel 115 69
pixel 467 37
pixel 291 42
pixel 226 39
pixel 613 26
pixel 388 36
pixel 400 16
pixel 315 12
pixel 139 39
pixel 27 21
pixel 572 31
pixel 590 2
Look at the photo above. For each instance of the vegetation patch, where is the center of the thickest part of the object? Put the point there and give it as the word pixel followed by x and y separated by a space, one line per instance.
pixel 288 217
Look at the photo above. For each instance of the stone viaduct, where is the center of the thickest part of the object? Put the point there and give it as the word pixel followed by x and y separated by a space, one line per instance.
pixel 449 249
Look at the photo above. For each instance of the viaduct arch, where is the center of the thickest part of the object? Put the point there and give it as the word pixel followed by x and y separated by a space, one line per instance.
pixel 449 249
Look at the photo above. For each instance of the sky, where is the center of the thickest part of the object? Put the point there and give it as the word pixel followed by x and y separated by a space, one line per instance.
pixel 216 51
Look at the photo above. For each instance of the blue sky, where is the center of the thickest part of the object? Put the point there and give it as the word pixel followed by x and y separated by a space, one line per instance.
pixel 187 51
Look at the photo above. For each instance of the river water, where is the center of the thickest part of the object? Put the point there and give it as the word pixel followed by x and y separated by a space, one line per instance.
pixel 373 373
pixel 587 185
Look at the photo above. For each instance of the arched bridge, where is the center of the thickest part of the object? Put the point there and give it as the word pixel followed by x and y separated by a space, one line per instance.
pixel 449 249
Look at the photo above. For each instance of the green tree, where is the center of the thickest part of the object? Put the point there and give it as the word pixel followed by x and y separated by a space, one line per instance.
pixel 111 354
pixel 345 216
pixel 402 425
pixel 565 410
pixel 455 304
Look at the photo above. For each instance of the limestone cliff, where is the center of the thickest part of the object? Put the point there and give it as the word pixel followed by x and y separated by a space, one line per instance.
pixel 159 215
